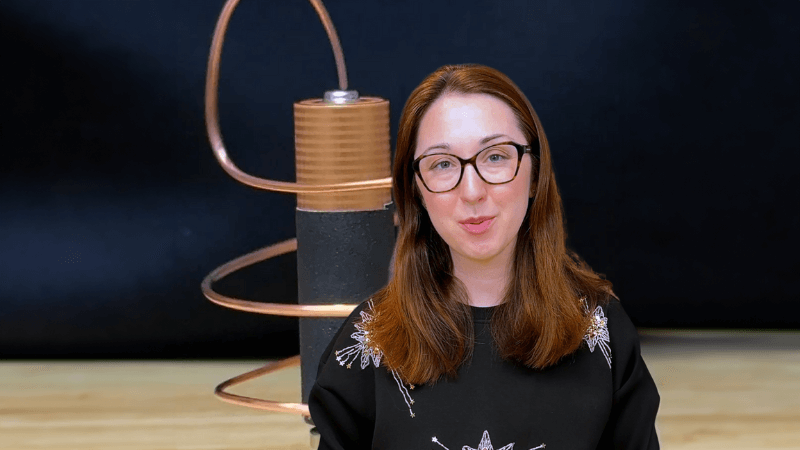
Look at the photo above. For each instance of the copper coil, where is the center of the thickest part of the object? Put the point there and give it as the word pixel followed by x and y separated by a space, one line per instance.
pixel 280 309
pixel 212 114
pixel 275 309
pixel 360 132
pixel 257 403
pixel 341 143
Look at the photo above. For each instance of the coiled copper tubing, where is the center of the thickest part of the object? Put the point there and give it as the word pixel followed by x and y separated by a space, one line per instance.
pixel 338 145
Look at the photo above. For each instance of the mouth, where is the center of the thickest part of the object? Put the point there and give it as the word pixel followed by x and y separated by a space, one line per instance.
pixel 477 225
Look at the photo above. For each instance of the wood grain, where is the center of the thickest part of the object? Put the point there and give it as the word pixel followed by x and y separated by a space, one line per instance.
pixel 141 405
pixel 726 390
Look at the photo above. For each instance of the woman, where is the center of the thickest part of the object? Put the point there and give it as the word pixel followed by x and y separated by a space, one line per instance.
pixel 490 334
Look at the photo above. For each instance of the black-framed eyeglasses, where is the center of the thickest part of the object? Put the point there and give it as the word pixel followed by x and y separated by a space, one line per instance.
pixel 496 164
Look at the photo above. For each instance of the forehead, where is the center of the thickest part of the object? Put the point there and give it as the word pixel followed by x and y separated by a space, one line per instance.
pixel 460 121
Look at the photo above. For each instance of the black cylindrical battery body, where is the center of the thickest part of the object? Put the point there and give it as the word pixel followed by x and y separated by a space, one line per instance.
pixel 342 257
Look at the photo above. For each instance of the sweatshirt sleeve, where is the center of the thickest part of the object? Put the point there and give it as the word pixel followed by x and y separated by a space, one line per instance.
pixel 631 424
pixel 342 400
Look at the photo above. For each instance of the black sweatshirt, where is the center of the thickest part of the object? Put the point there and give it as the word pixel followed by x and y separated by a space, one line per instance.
pixel 600 397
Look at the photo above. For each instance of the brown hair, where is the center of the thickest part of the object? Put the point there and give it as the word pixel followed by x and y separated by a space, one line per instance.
pixel 422 321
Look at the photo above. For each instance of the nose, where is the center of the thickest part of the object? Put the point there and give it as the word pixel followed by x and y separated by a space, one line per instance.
pixel 472 187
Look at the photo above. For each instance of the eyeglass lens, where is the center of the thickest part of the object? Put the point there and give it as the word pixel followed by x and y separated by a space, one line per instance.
pixel 496 164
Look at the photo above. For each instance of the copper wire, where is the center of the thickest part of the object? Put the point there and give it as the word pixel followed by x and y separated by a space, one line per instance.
pixel 212 114
pixel 276 309
pixel 267 405
pixel 340 144
pixel 218 147
pixel 338 54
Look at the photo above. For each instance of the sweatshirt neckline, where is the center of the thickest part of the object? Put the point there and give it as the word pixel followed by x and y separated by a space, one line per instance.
pixel 482 313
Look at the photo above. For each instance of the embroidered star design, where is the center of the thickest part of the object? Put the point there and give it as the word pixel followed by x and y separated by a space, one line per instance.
pixel 363 347
pixel 365 350
pixel 597 333
pixel 486 444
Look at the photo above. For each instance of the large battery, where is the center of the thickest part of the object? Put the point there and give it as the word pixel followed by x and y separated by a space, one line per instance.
pixel 344 239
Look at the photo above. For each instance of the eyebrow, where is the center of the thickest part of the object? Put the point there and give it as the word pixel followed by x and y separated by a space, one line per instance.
pixel 445 146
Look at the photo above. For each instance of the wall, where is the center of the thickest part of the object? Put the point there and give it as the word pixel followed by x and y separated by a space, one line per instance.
pixel 673 126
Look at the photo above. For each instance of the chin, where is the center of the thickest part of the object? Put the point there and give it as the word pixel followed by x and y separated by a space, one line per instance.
pixel 479 254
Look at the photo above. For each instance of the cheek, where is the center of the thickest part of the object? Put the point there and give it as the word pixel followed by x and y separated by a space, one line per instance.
pixel 515 200
pixel 439 207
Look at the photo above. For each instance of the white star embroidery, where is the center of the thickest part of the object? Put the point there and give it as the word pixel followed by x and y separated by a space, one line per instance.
pixel 363 346
pixel 366 350
pixel 597 333
pixel 486 444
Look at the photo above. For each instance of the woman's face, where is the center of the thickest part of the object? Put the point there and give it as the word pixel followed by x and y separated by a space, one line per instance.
pixel 479 221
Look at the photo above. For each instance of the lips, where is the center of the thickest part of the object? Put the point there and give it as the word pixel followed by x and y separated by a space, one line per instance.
pixel 477 225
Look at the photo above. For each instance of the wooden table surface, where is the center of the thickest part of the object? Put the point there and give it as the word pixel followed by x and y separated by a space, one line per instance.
pixel 719 390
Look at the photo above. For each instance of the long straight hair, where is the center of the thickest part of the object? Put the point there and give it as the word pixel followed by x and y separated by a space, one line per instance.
pixel 422 320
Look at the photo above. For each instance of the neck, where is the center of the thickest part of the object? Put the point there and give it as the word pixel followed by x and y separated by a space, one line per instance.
pixel 485 280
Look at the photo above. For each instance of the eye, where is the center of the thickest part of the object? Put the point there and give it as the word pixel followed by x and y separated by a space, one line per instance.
pixel 497 155
pixel 441 164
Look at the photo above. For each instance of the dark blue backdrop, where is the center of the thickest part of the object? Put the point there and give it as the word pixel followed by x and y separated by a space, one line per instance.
pixel 673 124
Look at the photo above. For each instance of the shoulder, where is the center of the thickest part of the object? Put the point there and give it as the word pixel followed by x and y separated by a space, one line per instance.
pixel 623 345
pixel 361 314
pixel 635 394
pixel 611 331
pixel 342 400
pixel 352 345
pixel 621 329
